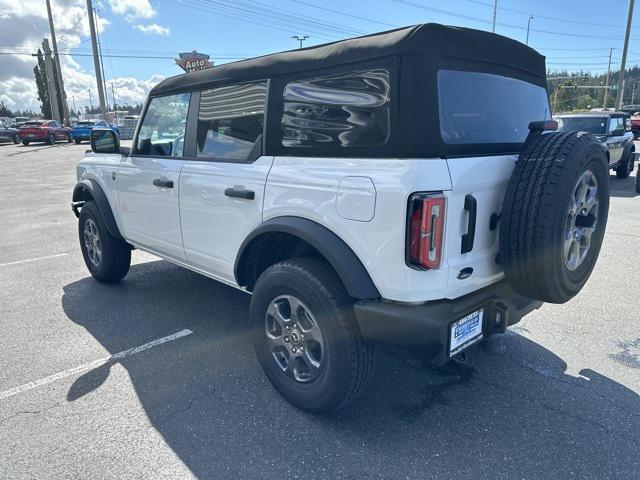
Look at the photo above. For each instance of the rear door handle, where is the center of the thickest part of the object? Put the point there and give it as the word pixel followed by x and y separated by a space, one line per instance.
pixel 471 206
pixel 163 182
pixel 240 193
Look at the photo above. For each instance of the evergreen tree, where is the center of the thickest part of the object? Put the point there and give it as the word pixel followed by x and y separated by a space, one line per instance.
pixel 40 73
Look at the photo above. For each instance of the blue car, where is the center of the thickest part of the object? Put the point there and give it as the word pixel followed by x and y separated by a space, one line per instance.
pixel 82 130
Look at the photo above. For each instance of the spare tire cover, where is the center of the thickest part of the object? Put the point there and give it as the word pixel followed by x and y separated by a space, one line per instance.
pixel 554 215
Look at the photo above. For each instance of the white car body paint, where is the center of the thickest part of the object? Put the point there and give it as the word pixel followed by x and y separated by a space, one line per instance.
pixel 363 201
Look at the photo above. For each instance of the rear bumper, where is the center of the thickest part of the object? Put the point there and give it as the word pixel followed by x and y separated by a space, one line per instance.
pixel 424 329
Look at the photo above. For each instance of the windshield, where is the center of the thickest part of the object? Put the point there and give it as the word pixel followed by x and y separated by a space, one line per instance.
pixel 595 125
pixel 485 108
pixel 85 124
pixel 32 124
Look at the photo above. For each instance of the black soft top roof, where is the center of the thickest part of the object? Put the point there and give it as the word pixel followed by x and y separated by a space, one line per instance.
pixel 431 38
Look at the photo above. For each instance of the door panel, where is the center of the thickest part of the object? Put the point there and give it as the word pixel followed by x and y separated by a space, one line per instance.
pixel 150 214
pixel 214 225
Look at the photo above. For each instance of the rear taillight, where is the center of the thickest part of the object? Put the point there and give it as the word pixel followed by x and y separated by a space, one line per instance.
pixel 426 230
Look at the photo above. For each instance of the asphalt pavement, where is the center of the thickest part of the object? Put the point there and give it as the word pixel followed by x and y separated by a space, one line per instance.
pixel 558 396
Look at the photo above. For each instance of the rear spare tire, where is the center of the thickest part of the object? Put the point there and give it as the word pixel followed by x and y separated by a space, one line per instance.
pixel 554 215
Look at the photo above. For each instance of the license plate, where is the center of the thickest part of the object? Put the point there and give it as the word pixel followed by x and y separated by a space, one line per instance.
pixel 31 134
pixel 465 332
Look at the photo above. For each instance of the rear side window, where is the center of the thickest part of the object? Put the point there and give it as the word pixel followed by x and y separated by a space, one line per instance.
pixel 342 110
pixel 163 127
pixel 231 121
pixel 486 108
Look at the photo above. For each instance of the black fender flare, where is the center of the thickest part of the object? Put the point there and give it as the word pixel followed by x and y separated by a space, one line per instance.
pixel 91 188
pixel 344 261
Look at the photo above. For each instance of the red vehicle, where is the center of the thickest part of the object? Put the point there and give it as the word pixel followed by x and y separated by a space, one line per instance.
pixel 49 131
pixel 635 124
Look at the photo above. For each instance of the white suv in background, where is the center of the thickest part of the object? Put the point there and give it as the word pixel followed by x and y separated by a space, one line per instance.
pixel 401 187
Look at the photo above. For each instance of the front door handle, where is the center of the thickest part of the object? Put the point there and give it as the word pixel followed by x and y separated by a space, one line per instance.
pixel 240 193
pixel 163 182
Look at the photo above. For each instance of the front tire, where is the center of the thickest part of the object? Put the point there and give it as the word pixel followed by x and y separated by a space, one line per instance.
pixel 306 336
pixel 107 258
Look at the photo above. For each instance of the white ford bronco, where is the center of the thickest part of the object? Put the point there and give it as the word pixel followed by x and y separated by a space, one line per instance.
pixel 405 188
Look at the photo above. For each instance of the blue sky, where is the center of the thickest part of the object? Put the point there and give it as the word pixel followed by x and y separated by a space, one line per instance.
pixel 573 34
pixel 221 36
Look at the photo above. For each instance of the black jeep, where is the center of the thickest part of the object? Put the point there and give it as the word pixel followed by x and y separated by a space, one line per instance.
pixel 613 129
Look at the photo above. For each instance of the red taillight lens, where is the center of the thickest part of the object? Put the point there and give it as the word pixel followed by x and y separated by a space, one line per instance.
pixel 426 230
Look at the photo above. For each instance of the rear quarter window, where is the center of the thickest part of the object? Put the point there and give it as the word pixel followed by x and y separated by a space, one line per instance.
pixel 476 108
pixel 341 110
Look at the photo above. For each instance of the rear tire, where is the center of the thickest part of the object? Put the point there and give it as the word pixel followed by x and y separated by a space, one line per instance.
pixel 51 140
pixel 77 140
pixel 335 363
pixel 108 258
pixel 16 139
pixel 25 142
pixel 554 216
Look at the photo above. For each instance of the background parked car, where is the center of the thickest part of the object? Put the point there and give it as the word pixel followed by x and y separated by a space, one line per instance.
pixel 82 129
pixel 48 131
pixel 612 130
pixel 8 134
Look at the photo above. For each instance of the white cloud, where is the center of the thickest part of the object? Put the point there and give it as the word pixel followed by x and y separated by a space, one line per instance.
pixel 132 9
pixel 152 28
pixel 23 25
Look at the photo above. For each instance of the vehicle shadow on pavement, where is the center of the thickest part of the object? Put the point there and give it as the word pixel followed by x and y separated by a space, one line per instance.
pixel 511 412
pixel 625 188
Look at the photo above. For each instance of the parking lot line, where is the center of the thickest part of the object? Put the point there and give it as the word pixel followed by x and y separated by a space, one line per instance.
pixel 36 259
pixel 91 365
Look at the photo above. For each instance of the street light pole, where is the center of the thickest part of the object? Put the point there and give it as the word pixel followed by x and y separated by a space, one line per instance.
pixel 300 39
pixel 623 63
pixel 528 27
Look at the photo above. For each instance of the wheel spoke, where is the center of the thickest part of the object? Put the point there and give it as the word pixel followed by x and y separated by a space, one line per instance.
pixel 276 314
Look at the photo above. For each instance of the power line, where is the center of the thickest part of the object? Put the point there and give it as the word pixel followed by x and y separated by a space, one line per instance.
pixel 507 25
pixel 338 12
pixel 546 17
pixel 115 56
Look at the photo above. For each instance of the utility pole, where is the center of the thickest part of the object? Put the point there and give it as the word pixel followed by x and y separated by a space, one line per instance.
pixel 606 86
pixel 104 75
pixel 300 39
pixel 623 63
pixel 96 60
pixel 54 44
pixel 90 103
pixel 495 13
pixel 51 84
pixel 528 27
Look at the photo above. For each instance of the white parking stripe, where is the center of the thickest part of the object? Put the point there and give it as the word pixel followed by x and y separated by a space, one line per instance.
pixel 29 260
pixel 91 365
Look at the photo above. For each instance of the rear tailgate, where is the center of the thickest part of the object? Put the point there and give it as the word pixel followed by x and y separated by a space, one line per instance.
pixel 484 181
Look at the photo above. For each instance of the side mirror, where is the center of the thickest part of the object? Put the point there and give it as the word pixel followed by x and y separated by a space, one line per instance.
pixel 104 140
pixel 618 132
